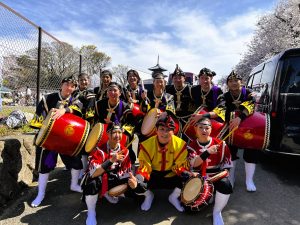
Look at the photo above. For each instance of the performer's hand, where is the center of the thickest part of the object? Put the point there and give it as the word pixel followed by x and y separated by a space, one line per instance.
pixel 195 118
pixel 213 149
pixel 144 94
pixel 234 123
pixel 132 181
pixel 57 113
pixel 117 156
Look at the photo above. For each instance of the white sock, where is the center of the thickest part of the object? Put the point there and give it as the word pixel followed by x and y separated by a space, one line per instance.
pixel 250 170
pixel 173 199
pixel 220 202
pixel 74 181
pixel 91 201
pixel 111 199
pixel 43 179
pixel 146 205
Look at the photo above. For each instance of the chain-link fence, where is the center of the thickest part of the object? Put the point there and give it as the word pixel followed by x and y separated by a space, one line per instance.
pixel 32 62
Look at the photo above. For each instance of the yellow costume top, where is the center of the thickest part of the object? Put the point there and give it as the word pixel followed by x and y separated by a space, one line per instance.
pixel 172 157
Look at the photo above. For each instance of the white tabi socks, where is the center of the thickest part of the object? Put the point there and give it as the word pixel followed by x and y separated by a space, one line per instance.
pixel 250 169
pixel 173 199
pixel 111 199
pixel 43 179
pixel 91 201
pixel 74 181
pixel 232 173
pixel 220 202
pixel 146 205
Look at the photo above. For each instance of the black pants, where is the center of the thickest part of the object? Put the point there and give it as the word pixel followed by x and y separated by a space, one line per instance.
pixel 250 155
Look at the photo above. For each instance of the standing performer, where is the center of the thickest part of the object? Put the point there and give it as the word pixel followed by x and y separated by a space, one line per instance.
pixel 58 104
pixel 163 164
pixel 182 96
pixel 210 156
pixel 109 166
pixel 101 91
pixel 206 94
pixel 86 97
pixel 158 98
pixel 113 109
pixel 239 101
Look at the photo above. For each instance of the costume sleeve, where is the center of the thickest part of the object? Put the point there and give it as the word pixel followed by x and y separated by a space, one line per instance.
pixel 170 105
pixel 145 168
pixel 249 104
pixel 191 155
pixel 96 158
pixel 226 163
pixel 181 162
pixel 220 109
pixel 40 114
pixel 76 105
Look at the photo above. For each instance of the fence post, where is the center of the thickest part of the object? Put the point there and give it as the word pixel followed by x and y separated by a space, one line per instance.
pixel 38 67
pixel 80 63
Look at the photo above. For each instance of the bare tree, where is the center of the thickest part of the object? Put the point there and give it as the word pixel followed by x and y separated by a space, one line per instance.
pixel 120 74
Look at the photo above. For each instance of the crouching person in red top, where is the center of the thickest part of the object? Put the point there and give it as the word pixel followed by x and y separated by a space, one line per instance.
pixel 109 166
pixel 163 164
pixel 210 156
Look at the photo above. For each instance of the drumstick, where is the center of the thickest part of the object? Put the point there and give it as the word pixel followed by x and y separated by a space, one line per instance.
pixel 228 135
pixel 130 142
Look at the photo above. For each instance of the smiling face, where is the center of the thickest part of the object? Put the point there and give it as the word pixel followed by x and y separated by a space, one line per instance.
pixel 105 79
pixel 234 84
pixel 114 136
pixel 205 82
pixel 159 84
pixel 164 134
pixel 178 81
pixel 84 82
pixel 132 80
pixel 67 88
pixel 203 130
pixel 113 93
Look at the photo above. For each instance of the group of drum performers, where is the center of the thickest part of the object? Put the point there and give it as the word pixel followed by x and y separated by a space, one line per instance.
pixel 167 158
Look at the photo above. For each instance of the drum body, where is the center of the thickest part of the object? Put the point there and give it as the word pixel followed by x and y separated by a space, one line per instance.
pixel 148 128
pixel 190 131
pixel 196 193
pixel 253 132
pixel 98 137
pixel 66 135
pixel 136 112
pixel 118 190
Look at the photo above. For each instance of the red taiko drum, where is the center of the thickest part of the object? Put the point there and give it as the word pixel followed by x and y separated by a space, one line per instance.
pixel 253 132
pixel 136 112
pixel 98 137
pixel 66 135
pixel 190 131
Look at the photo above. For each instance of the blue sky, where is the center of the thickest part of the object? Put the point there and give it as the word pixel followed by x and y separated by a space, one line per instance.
pixel 191 33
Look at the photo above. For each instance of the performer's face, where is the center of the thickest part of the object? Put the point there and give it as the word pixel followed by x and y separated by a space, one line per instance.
pixel 132 80
pixel 203 130
pixel 178 81
pixel 83 82
pixel 234 84
pixel 67 88
pixel 164 134
pixel 159 84
pixel 115 136
pixel 105 79
pixel 205 81
pixel 113 93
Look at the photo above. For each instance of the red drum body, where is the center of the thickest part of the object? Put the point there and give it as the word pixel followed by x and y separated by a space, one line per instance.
pixel 66 135
pixel 148 128
pixel 98 137
pixel 196 193
pixel 253 132
pixel 190 131
pixel 136 110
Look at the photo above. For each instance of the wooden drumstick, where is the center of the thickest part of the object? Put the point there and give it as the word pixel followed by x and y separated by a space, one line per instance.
pixel 130 142
pixel 228 135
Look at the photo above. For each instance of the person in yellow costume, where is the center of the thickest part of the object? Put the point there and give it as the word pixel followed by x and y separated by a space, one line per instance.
pixel 163 164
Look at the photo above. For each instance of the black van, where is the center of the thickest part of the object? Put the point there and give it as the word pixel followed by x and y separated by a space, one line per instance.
pixel 276 83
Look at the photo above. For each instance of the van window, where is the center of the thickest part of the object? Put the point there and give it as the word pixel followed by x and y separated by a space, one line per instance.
pixel 268 73
pixel 256 81
pixel 249 83
pixel 291 75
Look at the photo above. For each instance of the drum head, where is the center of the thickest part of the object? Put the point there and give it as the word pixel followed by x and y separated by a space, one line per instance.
pixel 149 122
pixel 118 190
pixel 191 190
pixel 94 136
pixel 46 126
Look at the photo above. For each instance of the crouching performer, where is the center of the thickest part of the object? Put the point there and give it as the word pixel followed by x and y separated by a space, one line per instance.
pixel 210 156
pixel 109 167
pixel 163 164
